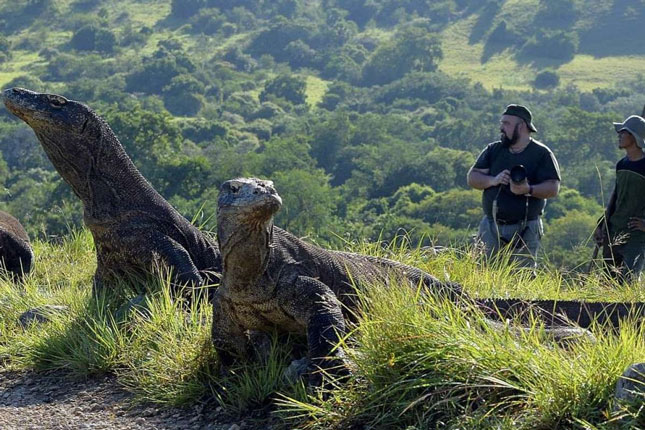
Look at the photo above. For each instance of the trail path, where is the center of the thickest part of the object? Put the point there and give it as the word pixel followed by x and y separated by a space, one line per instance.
pixel 52 401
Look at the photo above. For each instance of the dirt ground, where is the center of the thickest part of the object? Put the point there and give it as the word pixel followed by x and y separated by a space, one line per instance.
pixel 53 401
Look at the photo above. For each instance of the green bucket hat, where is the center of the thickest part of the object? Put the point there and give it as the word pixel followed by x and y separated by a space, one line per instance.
pixel 521 112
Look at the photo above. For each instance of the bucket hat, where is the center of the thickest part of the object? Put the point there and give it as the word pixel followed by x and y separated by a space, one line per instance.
pixel 636 126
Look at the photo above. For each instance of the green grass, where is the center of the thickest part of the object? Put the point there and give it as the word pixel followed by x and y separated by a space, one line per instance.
pixel 463 57
pixel 414 366
pixel 316 89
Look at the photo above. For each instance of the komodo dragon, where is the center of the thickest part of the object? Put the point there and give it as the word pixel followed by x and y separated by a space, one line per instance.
pixel 133 226
pixel 271 280
pixel 16 255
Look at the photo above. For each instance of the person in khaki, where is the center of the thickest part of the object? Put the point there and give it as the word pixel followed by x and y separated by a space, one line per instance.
pixel 517 174
pixel 621 232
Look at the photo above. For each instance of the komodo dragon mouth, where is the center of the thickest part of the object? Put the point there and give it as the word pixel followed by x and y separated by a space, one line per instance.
pixel 249 195
pixel 43 111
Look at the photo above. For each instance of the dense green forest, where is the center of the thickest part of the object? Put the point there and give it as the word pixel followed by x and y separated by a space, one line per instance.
pixel 359 110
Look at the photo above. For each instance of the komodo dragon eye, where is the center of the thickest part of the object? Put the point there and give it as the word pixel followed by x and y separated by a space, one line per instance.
pixel 235 188
pixel 57 101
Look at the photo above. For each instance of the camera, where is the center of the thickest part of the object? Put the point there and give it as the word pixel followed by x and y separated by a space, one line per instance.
pixel 518 173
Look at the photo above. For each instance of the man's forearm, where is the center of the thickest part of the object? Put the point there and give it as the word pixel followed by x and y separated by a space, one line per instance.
pixel 479 181
pixel 546 189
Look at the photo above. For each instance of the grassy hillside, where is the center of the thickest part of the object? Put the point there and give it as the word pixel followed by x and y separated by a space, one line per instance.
pixel 608 52
pixel 415 366
pixel 608 34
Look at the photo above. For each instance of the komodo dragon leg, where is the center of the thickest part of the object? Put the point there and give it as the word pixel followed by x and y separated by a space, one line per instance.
pixel 178 260
pixel 228 336
pixel 167 251
pixel 313 303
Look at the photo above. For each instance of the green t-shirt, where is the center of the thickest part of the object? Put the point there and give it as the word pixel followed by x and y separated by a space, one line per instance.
pixel 540 164
pixel 630 198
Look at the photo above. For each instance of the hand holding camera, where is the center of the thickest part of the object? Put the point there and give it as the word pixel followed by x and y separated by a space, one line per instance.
pixel 502 178
pixel 518 183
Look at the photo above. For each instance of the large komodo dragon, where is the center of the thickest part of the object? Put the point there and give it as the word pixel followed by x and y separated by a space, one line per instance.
pixel 16 255
pixel 271 280
pixel 133 227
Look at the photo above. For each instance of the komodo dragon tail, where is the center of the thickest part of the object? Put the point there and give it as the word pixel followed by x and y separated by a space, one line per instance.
pixel 562 312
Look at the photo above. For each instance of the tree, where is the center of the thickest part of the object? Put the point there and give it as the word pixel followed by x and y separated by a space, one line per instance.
pixel 92 38
pixel 289 87
pixel 185 8
pixel 157 71
pixel 413 49
pixel 308 201
pixel 557 44
pixel 567 241
pixel 556 14
pixel 183 95
pixel 546 79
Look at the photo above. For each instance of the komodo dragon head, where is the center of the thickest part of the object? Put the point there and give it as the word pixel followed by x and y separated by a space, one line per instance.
pixel 79 143
pixel 245 208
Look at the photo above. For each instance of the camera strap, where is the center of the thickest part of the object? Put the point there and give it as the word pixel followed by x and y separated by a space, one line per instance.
pixel 517 238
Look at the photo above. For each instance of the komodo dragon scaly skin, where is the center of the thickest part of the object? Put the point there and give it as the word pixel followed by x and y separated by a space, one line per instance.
pixel 271 280
pixel 133 226
pixel 16 255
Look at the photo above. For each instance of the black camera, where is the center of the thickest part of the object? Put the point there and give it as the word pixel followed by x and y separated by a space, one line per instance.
pixel 518 173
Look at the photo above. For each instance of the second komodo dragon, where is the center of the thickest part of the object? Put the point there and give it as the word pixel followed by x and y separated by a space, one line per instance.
pixel 133 226
pixel 16 254
pixel 271 280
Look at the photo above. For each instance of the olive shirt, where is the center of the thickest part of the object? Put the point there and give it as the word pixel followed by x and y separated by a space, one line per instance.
pixel 630 198
pixel 540 165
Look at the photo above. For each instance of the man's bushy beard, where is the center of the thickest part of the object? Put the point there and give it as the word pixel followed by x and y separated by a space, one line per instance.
pixel 508 142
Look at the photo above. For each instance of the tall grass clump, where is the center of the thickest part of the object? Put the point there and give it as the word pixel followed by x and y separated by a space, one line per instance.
pixel 436 365
pixel 169 358
pixel 256 385
pixel 61 276
pixel 418 361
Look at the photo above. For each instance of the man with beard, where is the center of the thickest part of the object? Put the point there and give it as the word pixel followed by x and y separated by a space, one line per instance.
pixel 517 174
pixel 624 246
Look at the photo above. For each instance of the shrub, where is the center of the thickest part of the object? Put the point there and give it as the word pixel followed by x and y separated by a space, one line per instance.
pixel 291 88
pixel 92 38
pixel 182 95
pixel 5 45
pixel 185 8
pixel 26 81
pixel 413 49
pixel 558 45
pixel 501 35
pixel 208 21
pixel 546 79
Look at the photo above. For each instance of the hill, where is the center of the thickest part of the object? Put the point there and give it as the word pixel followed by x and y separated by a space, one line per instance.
pixel 366 114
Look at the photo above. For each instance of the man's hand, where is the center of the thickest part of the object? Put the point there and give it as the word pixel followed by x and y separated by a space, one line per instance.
pixel 520 188
pixel 599 234
pixel 502 178
pixel 636 223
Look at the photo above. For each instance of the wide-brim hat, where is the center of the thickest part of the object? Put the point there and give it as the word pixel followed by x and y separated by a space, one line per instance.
pixel 636 126
pixel 521 112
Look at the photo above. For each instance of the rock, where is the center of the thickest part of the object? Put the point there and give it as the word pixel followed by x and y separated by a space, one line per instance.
pixel 137 303
pixel 631 384
pixel 296 369
pixel 40 314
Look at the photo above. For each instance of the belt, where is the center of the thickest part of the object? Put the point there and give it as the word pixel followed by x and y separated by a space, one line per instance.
pixel 509 222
